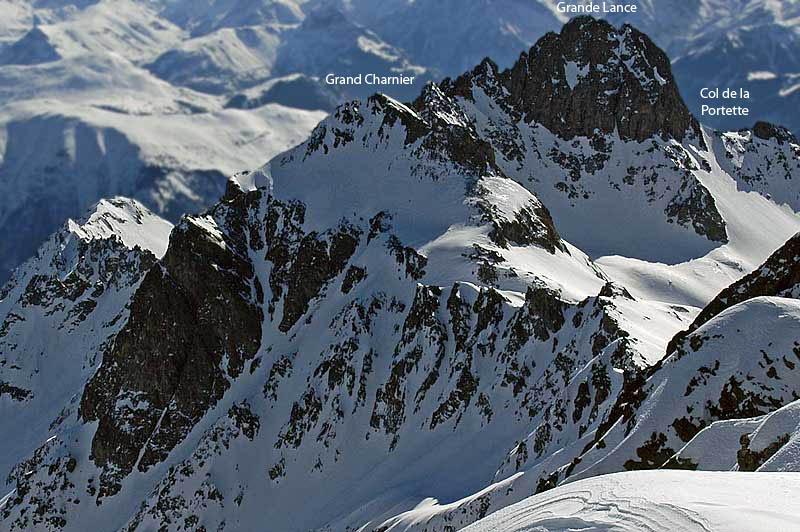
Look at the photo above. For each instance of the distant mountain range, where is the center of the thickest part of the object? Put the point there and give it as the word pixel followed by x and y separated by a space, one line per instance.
pixel 420 315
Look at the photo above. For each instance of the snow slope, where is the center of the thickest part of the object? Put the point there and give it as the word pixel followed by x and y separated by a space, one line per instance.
pixel 746 215
pixel 764 443
pixel 220 62
pixel 62 308
pixel 433 36
pixel 656 501
pixel 125 27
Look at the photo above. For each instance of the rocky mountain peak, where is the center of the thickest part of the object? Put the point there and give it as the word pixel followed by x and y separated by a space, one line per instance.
pixel 325 16
pixel 173 378
pixel 594 77
pixel 117 223
pixel 766 131
pixel 428 148
pixel 72 294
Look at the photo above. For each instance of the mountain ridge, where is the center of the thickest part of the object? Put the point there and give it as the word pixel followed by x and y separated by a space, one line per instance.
pixel 194 61
pixel 393 310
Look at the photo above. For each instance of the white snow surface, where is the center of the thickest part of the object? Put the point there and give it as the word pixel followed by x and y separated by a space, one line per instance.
pixel 714 448
pixel 656 501
pixel 126 219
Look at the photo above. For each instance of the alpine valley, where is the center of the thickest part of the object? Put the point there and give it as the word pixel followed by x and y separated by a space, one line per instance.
pixel 493 306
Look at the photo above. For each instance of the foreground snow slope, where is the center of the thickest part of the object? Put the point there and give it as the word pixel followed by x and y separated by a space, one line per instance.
pixel 657 501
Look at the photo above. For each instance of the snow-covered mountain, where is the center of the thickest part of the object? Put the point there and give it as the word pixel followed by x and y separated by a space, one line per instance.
pixel 723 399
pixel 158 101
pixel 233 59
pixel 452 36
pixel 468 298
pixel 657 501
pixel 81 119
pixel 749 44
pixel 62 308
pixel 161 58
pixel 61 156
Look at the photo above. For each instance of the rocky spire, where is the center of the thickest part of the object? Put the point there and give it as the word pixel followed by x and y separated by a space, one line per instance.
pixel 594 77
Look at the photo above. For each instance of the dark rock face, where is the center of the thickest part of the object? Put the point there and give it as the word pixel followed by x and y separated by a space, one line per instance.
pixel 14 392
pixel 750 460
pixel 317 262
pixel 302 263
pixel 593 77
pixel 628 85
pixel 192 325
pixel 778 276
pixel 699 209
pixel 766 131
pixel 531 225
pixel 544 314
